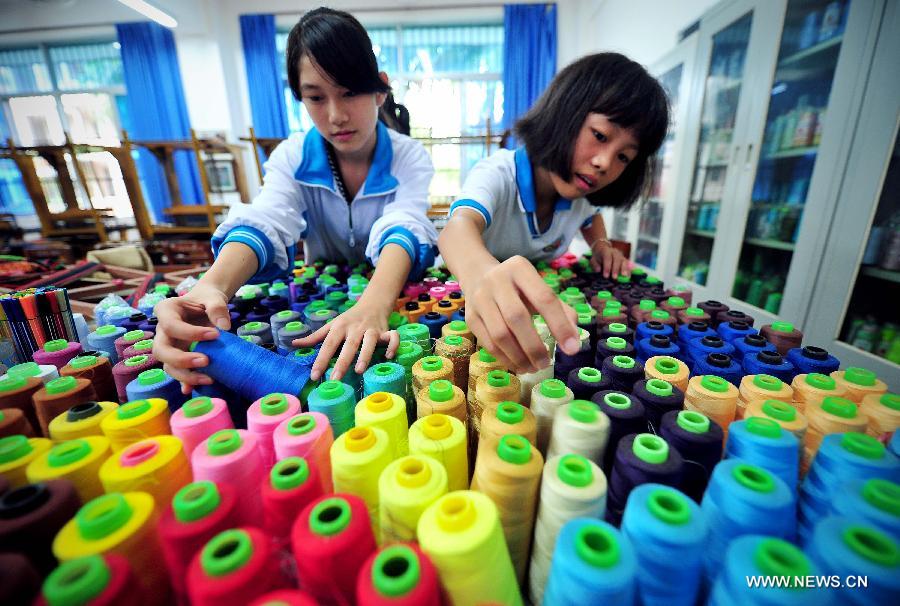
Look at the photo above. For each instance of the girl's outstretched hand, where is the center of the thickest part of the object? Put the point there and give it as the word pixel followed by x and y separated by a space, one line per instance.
pixel 609 261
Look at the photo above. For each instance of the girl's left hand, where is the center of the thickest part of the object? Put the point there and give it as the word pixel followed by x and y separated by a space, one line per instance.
pixel 610 261
pixel 360 328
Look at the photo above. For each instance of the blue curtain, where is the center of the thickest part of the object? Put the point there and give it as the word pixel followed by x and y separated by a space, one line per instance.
pixel 157 110
pixel 529 57
pixel 262 60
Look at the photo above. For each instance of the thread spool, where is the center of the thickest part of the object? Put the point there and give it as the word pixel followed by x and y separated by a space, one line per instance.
pixel 749 346
pixel 332 533
pixel 57 353
pixel 668 369
pixel 280 319
pixel 584 382
pixel 762 442
pixel 812 359
pixel 407 486
pixel 408 353
pixel 693 330
pixel 44 372
pixel 658 398
pixel 434 322
pixel 785 415
pixel 198 419
pixel 492 388
pixel 733 315
pixel 638 313
pixel 59 395
pixel 155 383
pixel 714 397
pixel 417 333
pixel 883 412
pixel 387 411
pixel 157 466
pixel 127 370
pixel 197 513
pixel 563 363
pixel 623 371
pixel 96 370
pixel 261 330
pixel 626 416
pixel 761 387
pixel 307 435
pixel 645 330
pixel 398 575
pixel 613 346
pixel 31 515
pixel 16 394
pixel 357 459
pixel 692 314
pixel 615 329
pixel 387 376
pixel 13 422
pixel 657 345
pixel 336 401
pixel 77 461
pixel 834 415
pixel 291 485
pixel 19 582
pixel 579 427
pixel 595 564
pixel 640 459
pixel 719 365
pixel 104 339
pixel 545 399
pixel 769 362
pixel 446 308
pixel 700 348
pixel 140 348
pixel 128 339
pixel 232 456
pixel 859 382
pixel 118 523
pixel 135 421
pixel 782 335
pixel 480 364
pixel 699 441
pixel 813 388
pixel 735 330
pixel 263 417
pixel 458 328
pixel 291 331
pixel 875 502
pixel 506 418
pixel 428 369
pixel 284 597
pixel 442 438
pixel 457 349
pixel 528 381
pixel 96 580
pixel 611 315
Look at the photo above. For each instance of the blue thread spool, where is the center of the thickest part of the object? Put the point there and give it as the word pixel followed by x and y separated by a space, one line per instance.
pixel 275 303
pixel 417 333
pixel 640 459
pixel 335 299
pixel 280 319
pixel 756 555
pixel 694 330
pixel 592 564
pixel 615 329
pixel 720 365
pixel 658 345
pixel 668 533
pixel 612 346
pixel 769 362
pixel 750 345
pixel 733 315
pixel 300 302
pixel 460 314
pixel 387 376
pixel 434 322
pixel 875 502
pixel 586 381
pixel 250 371
pixel 134 321
pixel 624 372
pixel 700 348
pixel 845 547
pixel 337 401
pixel 259 313
pixel 155 383
pixel 289 332
pixel 118 316
pixel 645 330
pixel 256 329
pixel 104 339
pixel 698 440
pixel 734 330
pixel 149 325
pixel 813 359
pixel 762 442
pixel 658 398
pixel 320 318
pixel 626 416
pixel 743 499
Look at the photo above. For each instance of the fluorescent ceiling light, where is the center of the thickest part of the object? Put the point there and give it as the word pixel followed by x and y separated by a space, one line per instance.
pixel 151 12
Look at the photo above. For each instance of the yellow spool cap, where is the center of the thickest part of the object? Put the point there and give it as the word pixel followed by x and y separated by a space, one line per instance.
pixel 103 524
pixel 360 439
pixel 437 427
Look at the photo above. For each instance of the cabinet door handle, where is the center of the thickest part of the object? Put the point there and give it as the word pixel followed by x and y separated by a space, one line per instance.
pixel 749 153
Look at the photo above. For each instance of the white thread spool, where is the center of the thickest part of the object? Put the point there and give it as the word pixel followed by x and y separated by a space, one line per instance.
pixel 579 427
pixel 546 397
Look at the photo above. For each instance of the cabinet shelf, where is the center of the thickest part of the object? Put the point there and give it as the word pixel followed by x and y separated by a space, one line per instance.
pixel 648 238
pixel 797 57
pixel 773 244
pixel 793 153
pixel 883 274
pixel 701 233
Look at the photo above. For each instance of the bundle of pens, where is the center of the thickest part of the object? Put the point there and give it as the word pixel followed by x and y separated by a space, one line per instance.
pixel 29 318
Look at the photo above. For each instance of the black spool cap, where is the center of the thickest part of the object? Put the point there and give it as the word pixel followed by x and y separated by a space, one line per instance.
pixel 698 325
pixel 462 312
pixel 815 353
pixel 152 321
pixel 85 410
pixel 738 325
pixel 713 303
pixel 756 340
pixel 23 500
pixel 661 341
pixel 424 297
pixel 137 317
pixel 455 295
pixel 712 341
pixel 769 356
pixel 91 352
pixel 655 325
pixel 733 313
pixel 444 303
pixel 719 360
pixel 411 306
pixel 432 315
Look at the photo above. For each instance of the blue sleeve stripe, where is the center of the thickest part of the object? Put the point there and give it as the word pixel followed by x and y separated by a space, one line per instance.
pixel 402 237
pixel 588 221
pixel 475 206
pixel 255 239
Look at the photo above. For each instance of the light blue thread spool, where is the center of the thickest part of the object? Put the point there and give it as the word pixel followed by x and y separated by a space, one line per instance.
pixel 336 401
pixel 387 376
pixel 155 383
pixel 760 441
pixel 875 501
pixel 104 339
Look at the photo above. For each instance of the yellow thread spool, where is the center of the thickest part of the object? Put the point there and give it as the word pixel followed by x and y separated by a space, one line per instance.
pixel 441 397
pixel 668 369
pixel 462 536
pixel 789 418
pixel 859 383
pixel 492 388
pixel 761 387
pixel 406 487
pixel 480 363
pixel 78 461
pixel 458 350
pixel 506 418
pixel 387 411
pixel 135 421
pixel 16 453
pixel 510 474
pixel 833 415
pixel 430 368
pixel 458 328
pixel 713 396
pixel 358 457
pixel 157 466
pixel 811 389
pixel 443 438
pixel 67 426
pixel 883 412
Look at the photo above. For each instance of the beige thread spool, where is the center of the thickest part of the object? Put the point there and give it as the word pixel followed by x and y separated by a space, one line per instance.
pixel 430 368
pixel 579 427
pixel 834 415
pixel 492 388
pixel 713 396
pixel 761 387
pixel 458 328
pixel 510 474
pixel 441 397
pixel 480 363
pixel 813 388
pixel 789 418
pixel 545 399
pixel 883 412
pixel 506 418
pixel 543 331
pixel 458 350
pixel 528 381
pixel 859 383
pixel 668 369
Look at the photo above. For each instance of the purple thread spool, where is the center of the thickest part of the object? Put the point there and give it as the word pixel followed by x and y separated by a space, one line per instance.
pixel 720 365
pixel 626 416
pixel 57 352
pixel 128 339
pixel 624 371
pixel 734 330
pixel 612 346
pixel 259 313
pixel 134 321
pixel 698 440
pixel 733 315
pixel 748 346
pixel 640 459
pixel 138 349
pixel 658 398
pixel 127 370
pixel 275 303
pixel 300 302
pixel 586 381
pixel 769 362
pixel 149 325
pixel 615 329
pixel 713 308
pixel 564 363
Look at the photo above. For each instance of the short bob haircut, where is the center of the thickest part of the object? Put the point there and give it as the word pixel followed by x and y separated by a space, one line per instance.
pixel 609 84
pixel 339 45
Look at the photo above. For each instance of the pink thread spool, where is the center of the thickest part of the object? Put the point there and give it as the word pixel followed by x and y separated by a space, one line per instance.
pixel 57 352
pixel 264 415
pixel 231 456
pixel 198 419
pixel 128 339
pixel 452 286
pixel 414 290
pixel 307 435
pixel 438 292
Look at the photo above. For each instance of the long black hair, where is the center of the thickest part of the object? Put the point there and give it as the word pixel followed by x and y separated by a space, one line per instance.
pixel 605 83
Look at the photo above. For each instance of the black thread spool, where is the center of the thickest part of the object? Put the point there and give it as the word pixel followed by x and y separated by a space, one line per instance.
pixel 734 315
pixel 19 582
pixel 616 329
pixel 626 416
pixel 244 303
pixel 612 346
pixel 657 293
pixel 699 441
pixel 640 459
pixel 658 398
pixel 624 371
pixel 713 308
pixel 564 363
pixel 586 381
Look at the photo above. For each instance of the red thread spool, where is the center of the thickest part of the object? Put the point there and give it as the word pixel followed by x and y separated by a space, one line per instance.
pixel 332 534
pixel 198 512
pixel 58 396
pixel 128 339
pixel 782 335
pixel 95 580
pixel 138 349
pixel 16 392
pixel 292 485
pixel 398 575
pixel 13 422
pixel 95 369
pixel 19 582
pixel 236 566
pixel 284 597
pixel 127 371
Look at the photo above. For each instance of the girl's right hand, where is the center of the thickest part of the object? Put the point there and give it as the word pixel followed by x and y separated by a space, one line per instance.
pixel 499 312
pixel 183 320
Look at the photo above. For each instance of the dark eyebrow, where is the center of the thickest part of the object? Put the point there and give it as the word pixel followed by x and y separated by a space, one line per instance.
pixel 309 87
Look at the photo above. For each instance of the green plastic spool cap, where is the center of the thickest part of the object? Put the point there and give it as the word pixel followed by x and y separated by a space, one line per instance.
pixel 775 557
pixel 585 309
pixel 284 314
pixel 2 416
pixel 782 327
pixel 154 376
pixel 583 411
pixel 384 370
pixel 890 400
pixel 247 338
pixel 331 390
pixel 453 340
pixel 609 312
pixel 223 442
pixel 676 301
pixel 77 581
pixel 250 294
pixel 395 571
pixel 130 410
pixel 623 279
pixel 28 369
pixel 584 318
pixel 68 452
pixel 486 357
pixel 779 410
pixel 59 345
pixel 604 295
pixel 692 421
pixel 860 376
pixel 133 335
pixel 273 404
pixel 514 449
pixel 597 546
pixel 820 381
pixel 616 343
pixel 103 516
pixel 289 473
pixel 329 517
pixel 694 312
pixel 659 314
pixel 440 390
pixel 669 507
pixel 107 329
pixel 293 325
pixel 839 407
pixel 613 304
pixel 13 448
pixel 755 478
pixel 714 383
pixel 650 448
pixel 301 424
pixel 61 385
pixel 228 551
pixel 659 388
pixel 510 412
pixel 575 470
pixel 253 325
pixel 137 360
pixel 764 427
pixel 143 345
pixel 459 326
pixel 873 545
pixel 498 378
pixel 768 382
pixel 590 375
pixel 195 501
pixel 321 313
pixel 617 400
pixel 667 365
pixel 553 388
pixel 432 363
pixel 863 445
pixel 623 361
pixel 305 352
pixel 647 305
pixel 617 327
pixel 12 383
pixel 883 494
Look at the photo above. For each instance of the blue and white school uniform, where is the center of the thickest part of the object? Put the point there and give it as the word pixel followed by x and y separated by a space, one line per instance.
pixel 300 200
pixel 501 189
